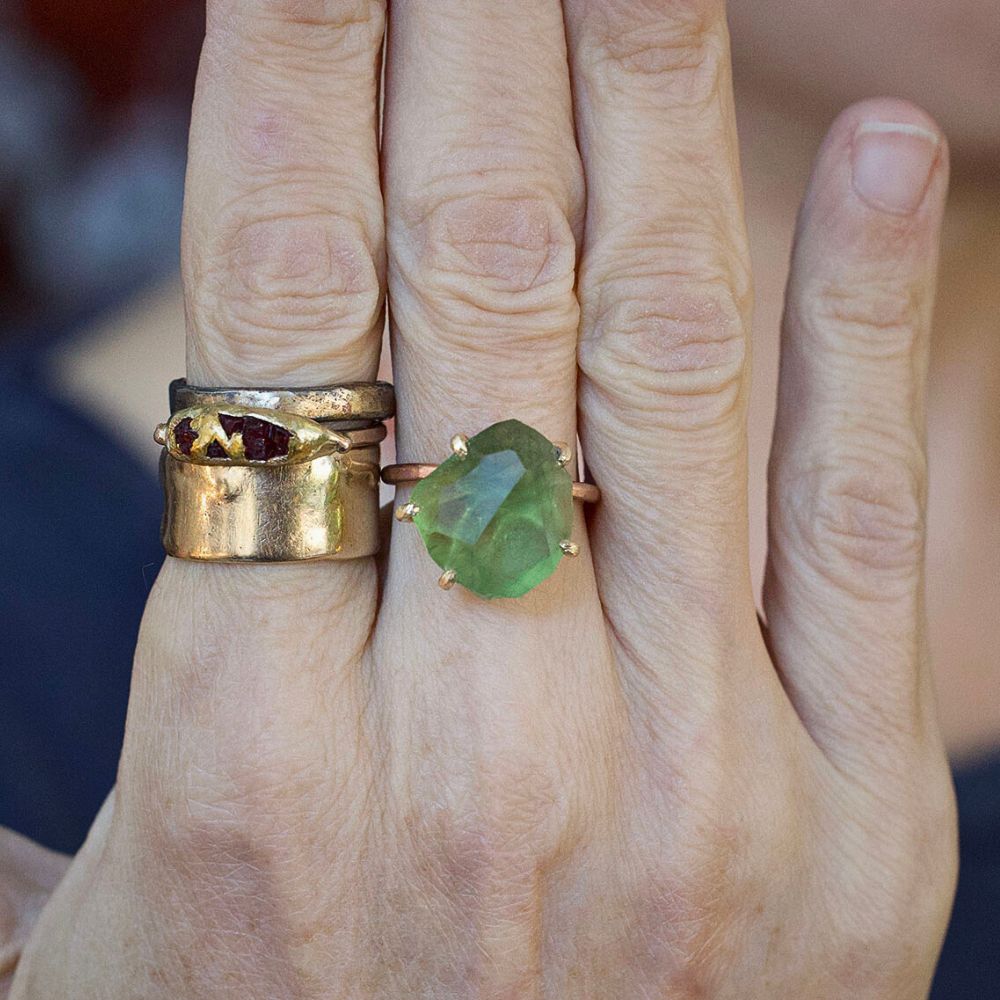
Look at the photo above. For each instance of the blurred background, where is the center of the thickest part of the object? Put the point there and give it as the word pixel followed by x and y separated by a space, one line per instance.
pixel 94 103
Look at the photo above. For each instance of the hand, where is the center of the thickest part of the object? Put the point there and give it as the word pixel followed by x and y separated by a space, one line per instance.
pixel 619 786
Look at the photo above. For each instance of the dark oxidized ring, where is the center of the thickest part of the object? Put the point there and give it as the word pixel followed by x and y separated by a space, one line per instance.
pixel 364 402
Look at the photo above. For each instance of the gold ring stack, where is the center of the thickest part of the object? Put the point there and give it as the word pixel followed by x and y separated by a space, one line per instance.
pixel 272 475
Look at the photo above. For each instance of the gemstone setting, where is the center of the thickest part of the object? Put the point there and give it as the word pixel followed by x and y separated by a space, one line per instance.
pixel 497 511
pixel 246 436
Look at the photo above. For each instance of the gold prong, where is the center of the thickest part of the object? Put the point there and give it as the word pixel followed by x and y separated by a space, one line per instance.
pixel 569 548
pixel 460 445
pixel 563 453
pixel 160 434
pixel 447 579
pixel 340 441
pixel 407 511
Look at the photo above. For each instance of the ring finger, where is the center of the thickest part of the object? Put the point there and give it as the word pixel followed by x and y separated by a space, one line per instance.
pixel 664 288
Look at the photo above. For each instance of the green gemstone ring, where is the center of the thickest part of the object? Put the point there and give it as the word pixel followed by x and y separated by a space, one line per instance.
pixel 497 515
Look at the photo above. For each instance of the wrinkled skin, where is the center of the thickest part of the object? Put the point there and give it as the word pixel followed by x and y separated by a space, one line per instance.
pixel 339 781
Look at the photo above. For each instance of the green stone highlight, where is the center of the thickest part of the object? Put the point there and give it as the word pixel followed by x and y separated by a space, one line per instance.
pixel 497 516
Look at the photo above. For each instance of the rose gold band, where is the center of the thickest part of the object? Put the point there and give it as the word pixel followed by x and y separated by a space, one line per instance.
pixel 411 472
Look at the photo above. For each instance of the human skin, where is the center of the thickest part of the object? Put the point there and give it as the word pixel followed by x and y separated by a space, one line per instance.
pixel 790 82
pixel 338 783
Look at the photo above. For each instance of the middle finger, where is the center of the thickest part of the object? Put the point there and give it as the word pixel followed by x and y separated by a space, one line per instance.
pixel 483 189
pixel 494 712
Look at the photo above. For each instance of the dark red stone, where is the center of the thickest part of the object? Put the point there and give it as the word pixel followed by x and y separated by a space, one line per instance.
pixel 263 440
pixel 215 450
pixel 185 436
pixel 230 424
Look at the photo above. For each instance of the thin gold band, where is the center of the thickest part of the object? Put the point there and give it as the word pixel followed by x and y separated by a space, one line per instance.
pixel 411 472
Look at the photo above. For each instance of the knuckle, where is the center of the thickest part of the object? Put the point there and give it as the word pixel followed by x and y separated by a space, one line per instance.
pixel 684 42
pixel 863 520
pixel 253 793
pixel 485 260
pixel 674 344
pixel 868 319
pixel 492 827
pixel 344 27
pixel 901 893
pixel 280 292
pixel 685 900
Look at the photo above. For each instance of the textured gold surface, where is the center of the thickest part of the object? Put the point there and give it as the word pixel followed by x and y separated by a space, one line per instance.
pixel 326 508
pixel 364 401
pixel 308 438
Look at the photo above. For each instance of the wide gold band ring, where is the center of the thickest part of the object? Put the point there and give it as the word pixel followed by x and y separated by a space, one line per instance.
pixel 326 508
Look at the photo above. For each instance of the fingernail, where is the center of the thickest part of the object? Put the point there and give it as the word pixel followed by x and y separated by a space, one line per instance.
pixel 892 165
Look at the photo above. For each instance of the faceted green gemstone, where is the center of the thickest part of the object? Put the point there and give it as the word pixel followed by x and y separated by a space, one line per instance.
pixel 496 517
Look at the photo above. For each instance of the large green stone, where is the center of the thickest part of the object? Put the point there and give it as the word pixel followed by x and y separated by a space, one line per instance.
pixel 496 517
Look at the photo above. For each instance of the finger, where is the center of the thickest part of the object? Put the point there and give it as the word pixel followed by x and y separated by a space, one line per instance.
pixel 283 232
pixel 244 715
pixel 483 193
pixel 283 241
pixel 283 250
pixel 483 197
pixel 847 480
pixel 665 298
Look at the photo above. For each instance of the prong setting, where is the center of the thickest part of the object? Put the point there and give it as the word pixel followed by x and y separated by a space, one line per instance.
pixel 569 548
pixel 564 453
pixel 407 511
pixel 447 579
pixel 160 434
pixel 460 445
pixel 340 441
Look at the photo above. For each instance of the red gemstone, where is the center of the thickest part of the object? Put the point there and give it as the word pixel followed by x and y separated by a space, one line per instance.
pixel 230 424
pixel 263 440
pixel 215 450
pixel 185 436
